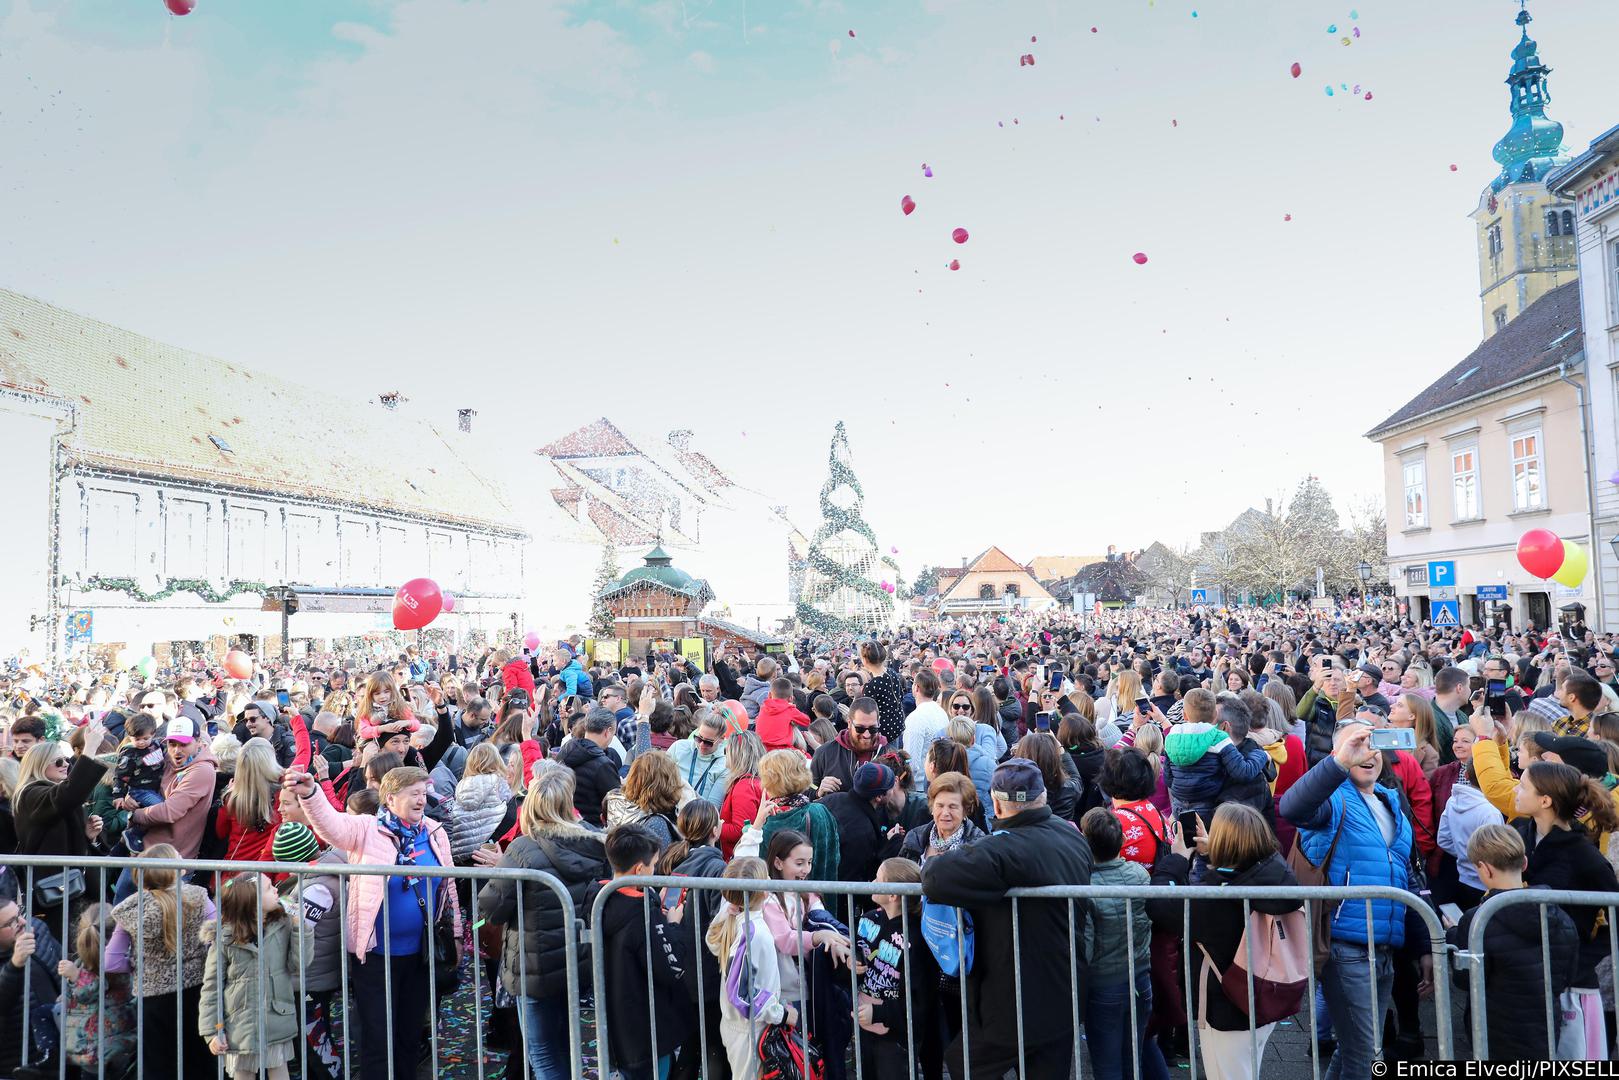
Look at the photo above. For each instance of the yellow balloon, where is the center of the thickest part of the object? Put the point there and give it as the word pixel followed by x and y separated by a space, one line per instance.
pixel 1575 563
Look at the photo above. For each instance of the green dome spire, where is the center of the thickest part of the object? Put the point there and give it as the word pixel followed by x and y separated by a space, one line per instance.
pixel 1533 146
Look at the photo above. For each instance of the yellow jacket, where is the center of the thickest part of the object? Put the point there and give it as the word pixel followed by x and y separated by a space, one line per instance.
pixel 1495 780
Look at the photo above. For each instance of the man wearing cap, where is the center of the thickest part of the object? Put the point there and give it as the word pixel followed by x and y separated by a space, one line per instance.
pixel 188 792
pixel 1027 847
pixel 866 816
pixel 1366 681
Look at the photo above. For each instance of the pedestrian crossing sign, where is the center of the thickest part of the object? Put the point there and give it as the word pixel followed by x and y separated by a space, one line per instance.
pixel 1446 613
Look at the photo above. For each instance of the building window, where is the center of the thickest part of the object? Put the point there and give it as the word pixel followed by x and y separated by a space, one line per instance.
pixel 1568 223
pixel 109 533
pixel 1416 494
pixel 185 538
pixel 1500 317
pixel 304 550
pixel 249 535
pixel 1493 238
pixel 1613 283
pixel 1464 482
pixel 1553 228
pixel 1528 493
pixel 1012 592
pixel 986 592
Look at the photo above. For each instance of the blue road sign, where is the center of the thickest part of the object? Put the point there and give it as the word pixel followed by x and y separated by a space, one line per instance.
pixel 1200 596
pixel 1442 574
pixel 1491 592
pixel 1445 613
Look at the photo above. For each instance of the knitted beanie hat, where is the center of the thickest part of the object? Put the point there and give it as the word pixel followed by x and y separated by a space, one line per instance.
pixel 294 843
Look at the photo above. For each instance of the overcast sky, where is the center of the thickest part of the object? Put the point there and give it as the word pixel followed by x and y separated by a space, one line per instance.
pixel 687 214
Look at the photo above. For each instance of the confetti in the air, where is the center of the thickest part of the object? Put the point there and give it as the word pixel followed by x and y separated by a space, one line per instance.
pixel 1140 257
pixel 926 171
pixel 906 205
pixel 1032 39
pixel 1026 60
pixel 1287 217
pixel 954 264
pixel 180 7
pixel 1368 95
pixel 1333 29
pixel 959 235
pixel 1329 91
pixel 851 33
pixel 1296 70
pixel 1453 168
pixel 1093 29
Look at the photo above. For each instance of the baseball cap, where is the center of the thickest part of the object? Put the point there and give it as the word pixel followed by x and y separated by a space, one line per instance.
pixel 1017 780
pixel 180 729
pixel 1583 754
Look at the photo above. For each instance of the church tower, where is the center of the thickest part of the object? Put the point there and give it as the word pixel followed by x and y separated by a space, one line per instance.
pixel 1525 235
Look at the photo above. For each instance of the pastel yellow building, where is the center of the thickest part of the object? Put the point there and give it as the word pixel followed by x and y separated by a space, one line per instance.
pixel 1525 233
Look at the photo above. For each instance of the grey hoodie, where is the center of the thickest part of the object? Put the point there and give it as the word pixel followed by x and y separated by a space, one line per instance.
pixel 754 692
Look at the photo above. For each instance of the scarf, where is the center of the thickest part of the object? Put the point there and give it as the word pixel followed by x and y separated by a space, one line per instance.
pixel 406 836
pixel 937 846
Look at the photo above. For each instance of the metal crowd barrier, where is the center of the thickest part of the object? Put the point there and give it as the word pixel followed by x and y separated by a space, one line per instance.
pixel 1067 894
pixel 99 883
pixel 1473 958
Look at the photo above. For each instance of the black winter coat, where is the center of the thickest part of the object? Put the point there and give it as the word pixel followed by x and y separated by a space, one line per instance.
pixel 702 905
pixel 44 987
pixel 595 773
pixel 534 963
pixel 1217 925
pixel 1514 995
pixel 622 936
pixel 862 837
pixel 1027 849
pixel 1569 859
pixel 1011 714
pixel 50 817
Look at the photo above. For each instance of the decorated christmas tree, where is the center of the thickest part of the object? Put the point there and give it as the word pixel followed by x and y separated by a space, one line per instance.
pixel 843 587
pixel 601 616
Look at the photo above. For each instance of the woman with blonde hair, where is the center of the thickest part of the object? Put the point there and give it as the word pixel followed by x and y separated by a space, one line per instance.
pixel 480 801
pixel 743 793
pixel 250 809
pixel 1415 711
pixel 651 797
pixel 159 928
pixel 1120 703
pixel 534 963
pixel 789 804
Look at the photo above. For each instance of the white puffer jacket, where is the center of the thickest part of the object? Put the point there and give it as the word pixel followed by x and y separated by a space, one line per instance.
pixel 480 803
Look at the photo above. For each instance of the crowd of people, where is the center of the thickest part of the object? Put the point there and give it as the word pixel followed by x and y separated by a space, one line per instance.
pixel 971 757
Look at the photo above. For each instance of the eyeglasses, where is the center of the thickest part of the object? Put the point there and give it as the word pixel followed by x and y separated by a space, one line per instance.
pixel 17 920
pixel 62 762
pixel 961 706
pixel 863 729
pixel 700 741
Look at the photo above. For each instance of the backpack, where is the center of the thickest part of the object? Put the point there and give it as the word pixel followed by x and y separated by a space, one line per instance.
pixel 1283 955
pixel 939 931
pixel 782 1057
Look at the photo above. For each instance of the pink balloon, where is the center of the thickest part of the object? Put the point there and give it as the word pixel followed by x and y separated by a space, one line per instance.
pixel 238 665
pixel 449 602
pixel 959 235
pixel 907 204
pixel 180 7
pixel 531 641
pixel 417 603
pixel 1140 257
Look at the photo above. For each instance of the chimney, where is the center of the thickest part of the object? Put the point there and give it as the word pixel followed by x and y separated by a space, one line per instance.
pixel 390 400
pixel 463 419
pixel 964 562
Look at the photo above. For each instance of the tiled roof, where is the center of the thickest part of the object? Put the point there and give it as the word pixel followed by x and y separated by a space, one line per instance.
pixel 157 409
pixel 599 438
pixel 1545 335
pixel 1051 567
pixel 738 631
pixel 992 561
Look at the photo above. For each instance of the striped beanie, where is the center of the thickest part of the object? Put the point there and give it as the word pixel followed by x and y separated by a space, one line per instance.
pixel 294 843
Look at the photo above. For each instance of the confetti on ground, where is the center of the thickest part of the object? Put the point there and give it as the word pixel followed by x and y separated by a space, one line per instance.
pixel 1140 257
pixel 1296 70
pixel 906 205
pixel 959 235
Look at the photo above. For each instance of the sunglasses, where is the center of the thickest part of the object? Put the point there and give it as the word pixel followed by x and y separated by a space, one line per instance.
pixel 62 762
pixel 863 729
pixel 962 706
pixel 700 741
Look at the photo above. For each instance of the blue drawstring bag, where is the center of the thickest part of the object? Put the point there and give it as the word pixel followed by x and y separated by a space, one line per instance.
pixel 948 948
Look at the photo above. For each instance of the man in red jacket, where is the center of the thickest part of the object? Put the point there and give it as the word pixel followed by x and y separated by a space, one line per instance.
pixel 779 723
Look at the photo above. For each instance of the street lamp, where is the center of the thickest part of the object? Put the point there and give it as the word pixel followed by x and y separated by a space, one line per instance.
pixel 1365 572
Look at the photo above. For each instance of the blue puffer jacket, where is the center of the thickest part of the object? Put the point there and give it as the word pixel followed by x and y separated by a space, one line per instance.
pixel 1316 803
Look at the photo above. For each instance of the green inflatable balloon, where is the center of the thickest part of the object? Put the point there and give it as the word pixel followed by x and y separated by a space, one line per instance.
pixel 1575 564
pixel 147 666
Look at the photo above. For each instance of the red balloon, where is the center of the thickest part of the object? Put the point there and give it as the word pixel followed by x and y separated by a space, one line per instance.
pixel 959 235
pixel 417 603
pixel 1540 552
pixel 1296 70
pixel 180 7
pixel 907 204
pixel 238 665
pixel 1140 257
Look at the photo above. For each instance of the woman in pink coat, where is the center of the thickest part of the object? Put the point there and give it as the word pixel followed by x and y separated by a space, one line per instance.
pixel 392 951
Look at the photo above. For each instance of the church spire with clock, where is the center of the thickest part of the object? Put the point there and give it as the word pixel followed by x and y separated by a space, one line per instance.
pixel 1525 235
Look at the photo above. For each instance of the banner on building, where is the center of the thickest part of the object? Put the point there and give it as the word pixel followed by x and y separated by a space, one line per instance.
pixel 81 625
pixel 695 649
